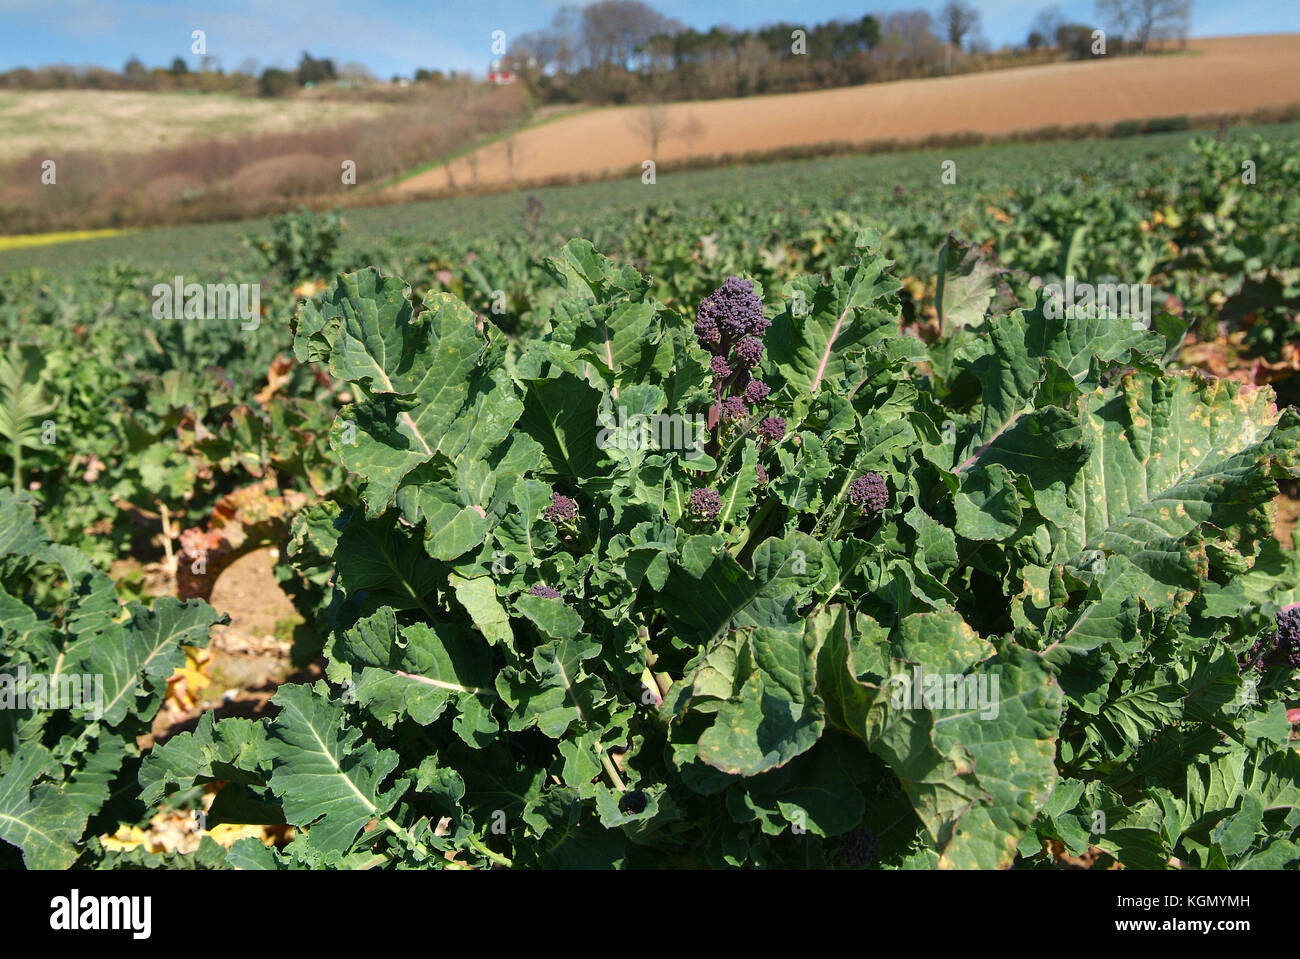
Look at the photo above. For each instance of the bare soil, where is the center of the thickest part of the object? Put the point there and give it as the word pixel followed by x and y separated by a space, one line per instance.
pixel 249 657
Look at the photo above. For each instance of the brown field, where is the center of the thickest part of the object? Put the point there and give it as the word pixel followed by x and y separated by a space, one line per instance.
pixel 1215 76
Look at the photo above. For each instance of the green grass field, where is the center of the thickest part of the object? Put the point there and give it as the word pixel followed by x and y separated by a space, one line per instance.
pixel 573 210
pixel 94 120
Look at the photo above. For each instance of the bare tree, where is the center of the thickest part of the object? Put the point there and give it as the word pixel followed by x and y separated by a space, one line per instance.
pixel 512 157
pixel 1141 21
pixel 652 123
pixel 691 131
pixel 1046 25
pixel 752 61
pixel 614 30
pixel 958 19
pixel 908 43
pixel 356 72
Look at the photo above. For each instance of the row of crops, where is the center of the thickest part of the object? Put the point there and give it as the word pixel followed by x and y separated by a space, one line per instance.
pixel 549 642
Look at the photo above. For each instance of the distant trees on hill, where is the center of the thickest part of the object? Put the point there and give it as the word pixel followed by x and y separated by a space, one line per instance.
pixel 621 50
pixel 617 51
pixel 1130 26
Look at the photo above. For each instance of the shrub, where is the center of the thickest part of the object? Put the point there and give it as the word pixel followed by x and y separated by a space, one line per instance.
pixel 276 83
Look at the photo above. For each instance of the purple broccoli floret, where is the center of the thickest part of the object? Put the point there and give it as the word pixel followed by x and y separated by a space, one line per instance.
pixel 869 493
pixel 734 309
pixel 561 510
pixel 756 391
pixel 1287 638
pixel 706 330
pixel 772 429
pixel 705 503
pixel 1256 655
pixel 762 475
pixel 859 848
pixel 719 366
pixel 633 801
pixel 749 352
pixel 734 409
pixel 545 592
pixel 1280 647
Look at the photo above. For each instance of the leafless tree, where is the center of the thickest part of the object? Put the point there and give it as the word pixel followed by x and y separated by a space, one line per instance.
pixel 533 54
pixel 512 157
pixel 1141 21
pixel 1046 25
pixel 752 59
pixel 356 72
pixel 908 42
pixel 958 19
pixel 691 131
pixel 613 30
pixel 651 121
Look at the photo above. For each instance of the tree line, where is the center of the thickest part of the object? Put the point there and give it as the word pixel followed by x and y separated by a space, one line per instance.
pixel 618 51
pixel 178 75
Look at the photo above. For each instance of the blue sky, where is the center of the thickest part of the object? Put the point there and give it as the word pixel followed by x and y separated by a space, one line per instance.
pixel 396 36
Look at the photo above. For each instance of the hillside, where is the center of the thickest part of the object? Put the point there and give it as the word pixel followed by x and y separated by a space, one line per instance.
pixel 1217 75
pixel 116 121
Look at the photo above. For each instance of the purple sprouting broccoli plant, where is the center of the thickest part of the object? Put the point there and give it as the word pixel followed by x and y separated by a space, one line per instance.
pixel 545 592
pixel 859 847
pixel 762 475
pixel 1255 658
pixel 707 332
pixel 734 409
pixel 869 493
pixel 730 324
pixel 756 391
pixel 561 510
pixel 1279 648
pixel 706 503
pixel 1287 637
pixel 733 309
pixel 772 429
pixel 748 352
pixel 633 801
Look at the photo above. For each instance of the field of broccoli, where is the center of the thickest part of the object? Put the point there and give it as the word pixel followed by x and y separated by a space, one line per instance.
pixel 920 511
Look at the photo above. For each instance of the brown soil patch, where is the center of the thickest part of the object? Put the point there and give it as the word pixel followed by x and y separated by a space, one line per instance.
pixel 248 652
pixel 1221 75
pixel 249 657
